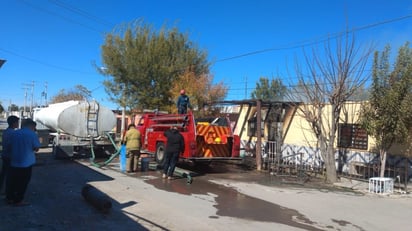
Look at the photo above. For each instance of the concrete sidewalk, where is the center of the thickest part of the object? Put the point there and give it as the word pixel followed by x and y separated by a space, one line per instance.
pixel 363 187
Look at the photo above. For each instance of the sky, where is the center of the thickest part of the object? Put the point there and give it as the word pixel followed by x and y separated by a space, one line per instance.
pixel 50 45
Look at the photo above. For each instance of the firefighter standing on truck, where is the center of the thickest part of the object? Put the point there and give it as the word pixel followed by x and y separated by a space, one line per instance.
pixel 132 140
pixel 183 102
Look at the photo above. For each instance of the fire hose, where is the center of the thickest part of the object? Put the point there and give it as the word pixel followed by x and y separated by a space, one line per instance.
pixel 112 156
pixel 180 172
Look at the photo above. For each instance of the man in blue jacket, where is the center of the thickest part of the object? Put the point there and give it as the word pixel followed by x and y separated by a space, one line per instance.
pixel 183 102
pixel 13 122
pixel 24 143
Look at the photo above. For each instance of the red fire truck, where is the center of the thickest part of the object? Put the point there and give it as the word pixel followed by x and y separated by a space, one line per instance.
pixel 206 139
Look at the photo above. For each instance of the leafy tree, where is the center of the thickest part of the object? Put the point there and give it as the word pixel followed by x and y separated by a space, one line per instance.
pixel 388 115
pixel 1 108
pixel 269 91
pixel 79 92
pixel 142 64
pixel 335 75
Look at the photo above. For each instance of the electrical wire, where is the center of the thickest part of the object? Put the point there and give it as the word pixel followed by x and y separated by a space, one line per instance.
pixel 317 41
pixel 295 45
pixel 81 12
pixel 61 16
pixel 44 63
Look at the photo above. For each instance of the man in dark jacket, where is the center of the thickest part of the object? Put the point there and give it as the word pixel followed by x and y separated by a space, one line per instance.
pixel 175 145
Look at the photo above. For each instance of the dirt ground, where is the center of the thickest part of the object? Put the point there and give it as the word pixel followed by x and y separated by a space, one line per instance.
pixel 55 194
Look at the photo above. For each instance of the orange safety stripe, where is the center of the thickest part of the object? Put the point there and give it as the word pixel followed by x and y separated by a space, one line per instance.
pixel 214 150
pixel 206 146
pixel 203 130
pixel 210 133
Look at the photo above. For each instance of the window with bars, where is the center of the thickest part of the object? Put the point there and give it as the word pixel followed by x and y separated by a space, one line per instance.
pixel 352 136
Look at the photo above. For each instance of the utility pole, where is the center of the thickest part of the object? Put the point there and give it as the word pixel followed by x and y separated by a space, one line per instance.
pixel 259 134
pixel 32 95
pixel 31 87
pixel 44 94
pixel 25 100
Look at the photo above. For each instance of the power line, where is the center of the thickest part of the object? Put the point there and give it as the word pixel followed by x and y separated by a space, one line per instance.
pixel 60 16
pixel 319 40
pixel 101 21
pixel 72 9
pixel 309 84
pixel 81 12
pixel 44 63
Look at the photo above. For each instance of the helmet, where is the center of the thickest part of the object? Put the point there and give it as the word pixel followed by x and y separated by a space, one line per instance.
pixel 182 92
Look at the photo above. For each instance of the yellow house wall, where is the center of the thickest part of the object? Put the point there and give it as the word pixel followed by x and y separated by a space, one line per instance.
pixel 297 131
pixel 300 133
pixel 243 117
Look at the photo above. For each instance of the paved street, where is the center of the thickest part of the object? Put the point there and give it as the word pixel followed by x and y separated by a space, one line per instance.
pixel 223 198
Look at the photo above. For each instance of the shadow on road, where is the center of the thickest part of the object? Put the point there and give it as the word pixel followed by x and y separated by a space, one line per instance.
pixel 57 202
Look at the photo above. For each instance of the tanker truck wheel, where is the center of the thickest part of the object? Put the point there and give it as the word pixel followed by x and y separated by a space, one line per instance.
pixel 160 154
pixel 55 150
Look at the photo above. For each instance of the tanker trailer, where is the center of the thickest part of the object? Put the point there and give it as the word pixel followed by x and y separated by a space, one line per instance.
pixel 78 126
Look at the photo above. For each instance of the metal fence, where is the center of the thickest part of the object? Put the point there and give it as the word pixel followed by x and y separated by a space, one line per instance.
pixel 288 165
pixel 296 164
pixel 364 171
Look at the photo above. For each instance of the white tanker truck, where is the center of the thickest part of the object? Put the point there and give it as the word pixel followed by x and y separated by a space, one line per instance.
pixel 75 127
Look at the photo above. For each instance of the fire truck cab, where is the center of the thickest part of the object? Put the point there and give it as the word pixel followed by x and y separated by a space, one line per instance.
pixel 206 139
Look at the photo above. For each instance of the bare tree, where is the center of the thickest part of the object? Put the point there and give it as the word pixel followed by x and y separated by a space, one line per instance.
pixel 79 92
pixel 330 77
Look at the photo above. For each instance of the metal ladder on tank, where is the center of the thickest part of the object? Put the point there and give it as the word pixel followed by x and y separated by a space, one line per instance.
pixel 92 118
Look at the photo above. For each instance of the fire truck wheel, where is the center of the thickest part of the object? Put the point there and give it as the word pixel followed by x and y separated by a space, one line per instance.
pixel 160 154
